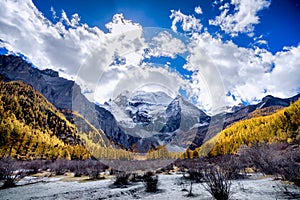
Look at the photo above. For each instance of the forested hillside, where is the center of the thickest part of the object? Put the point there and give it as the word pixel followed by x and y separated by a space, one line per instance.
pixel 31 127
pixel 284 125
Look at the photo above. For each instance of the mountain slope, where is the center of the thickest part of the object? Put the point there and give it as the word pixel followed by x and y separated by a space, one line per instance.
pixel 202 134
pixel 31 127
pixel 84 127
pixel 65 94
pixel 284 125
pixel 183 115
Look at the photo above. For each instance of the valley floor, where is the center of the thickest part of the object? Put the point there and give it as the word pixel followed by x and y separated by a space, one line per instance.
pixel 62 187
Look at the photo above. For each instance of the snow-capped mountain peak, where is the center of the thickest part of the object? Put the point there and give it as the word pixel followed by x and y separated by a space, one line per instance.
pixel 151 98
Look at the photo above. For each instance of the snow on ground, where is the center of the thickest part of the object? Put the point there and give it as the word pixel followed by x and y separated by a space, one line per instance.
pixel 57 188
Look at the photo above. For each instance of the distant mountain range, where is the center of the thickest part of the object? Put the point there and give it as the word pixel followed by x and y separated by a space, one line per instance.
pixel 137 121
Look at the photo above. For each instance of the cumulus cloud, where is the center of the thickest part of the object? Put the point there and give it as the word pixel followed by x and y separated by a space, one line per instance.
pixel 66 44
pixel 243 19
pixel 284 79
pixel 227 67
pixel 120 25
pixel 188 22
pixel 62 45
pixel 164 44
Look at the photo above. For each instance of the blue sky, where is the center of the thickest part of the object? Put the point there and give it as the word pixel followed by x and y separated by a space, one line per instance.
pixel 280 22
pixel 217 53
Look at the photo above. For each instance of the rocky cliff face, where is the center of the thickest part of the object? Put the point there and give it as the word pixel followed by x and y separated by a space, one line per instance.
pixel 183 115
pixel 57 90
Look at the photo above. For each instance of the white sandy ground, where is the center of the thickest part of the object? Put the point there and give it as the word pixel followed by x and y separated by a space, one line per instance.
pixel 257 188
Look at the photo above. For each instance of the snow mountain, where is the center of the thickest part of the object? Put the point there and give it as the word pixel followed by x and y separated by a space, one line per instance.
pixel 154 116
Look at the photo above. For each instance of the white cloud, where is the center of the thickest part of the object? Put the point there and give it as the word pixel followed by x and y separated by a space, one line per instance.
pixel 249 74
pixel 285 79
pixel 244 17
pixel 259 41
pixel 198 10
pixel 164 44
pixel 133 78
pixel 53 13
pixel 120 25
pixel 188 22
pixel 85 54
pixel 262 42
pixel 47 45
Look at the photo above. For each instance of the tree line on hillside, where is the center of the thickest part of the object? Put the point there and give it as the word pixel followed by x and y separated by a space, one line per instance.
pixel 282 126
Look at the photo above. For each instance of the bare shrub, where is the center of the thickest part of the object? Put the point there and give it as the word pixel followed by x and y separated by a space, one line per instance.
pixel 279 159
pixel 122 178
pixel 194 169
pixel 217 182
pixel 195 175
pixel 190 194
pixel 289 166
pixel 94 169
pixel 265 157
pixel 232 166
pixel 168 168
pixel 134 177
pixel 183 183
pixel 59 167
pixel 78 167
pixel 10 172
pixel 34 166
pixel 151 182
pixel 215 174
